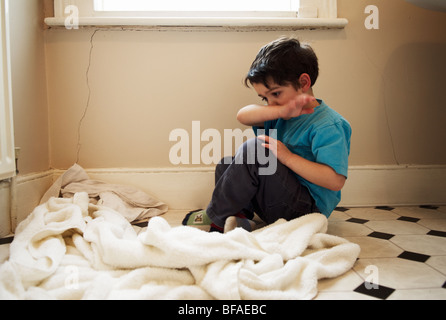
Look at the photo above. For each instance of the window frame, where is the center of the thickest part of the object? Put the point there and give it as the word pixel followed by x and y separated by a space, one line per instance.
pixel 88 17
pixel 7 150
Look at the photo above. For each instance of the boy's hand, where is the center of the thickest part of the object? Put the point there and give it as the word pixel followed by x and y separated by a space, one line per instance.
pixel 282 153
pixel 297 107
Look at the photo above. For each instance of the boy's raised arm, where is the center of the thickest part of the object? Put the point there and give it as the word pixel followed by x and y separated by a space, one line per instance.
pixel 255 115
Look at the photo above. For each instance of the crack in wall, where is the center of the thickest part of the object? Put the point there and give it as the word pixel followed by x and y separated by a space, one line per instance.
pixel 87 106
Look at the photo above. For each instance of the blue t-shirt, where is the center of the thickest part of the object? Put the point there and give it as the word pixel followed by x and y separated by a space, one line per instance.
pixel 322 137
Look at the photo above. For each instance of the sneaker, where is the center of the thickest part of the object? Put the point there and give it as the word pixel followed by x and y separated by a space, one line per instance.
pixel 197 219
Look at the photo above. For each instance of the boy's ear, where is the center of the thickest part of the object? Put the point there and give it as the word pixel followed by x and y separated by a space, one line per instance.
pixel 305 82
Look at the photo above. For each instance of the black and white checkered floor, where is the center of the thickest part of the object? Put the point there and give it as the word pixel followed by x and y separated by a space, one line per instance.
pixel 403 253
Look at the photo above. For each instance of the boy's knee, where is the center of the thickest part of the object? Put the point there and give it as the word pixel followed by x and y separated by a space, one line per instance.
pixel 253 153
pixel 246 153
pixel 225 162
pixel 252 145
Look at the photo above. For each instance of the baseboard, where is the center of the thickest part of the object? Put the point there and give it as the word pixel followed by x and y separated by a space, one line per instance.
pixel 20 196
pixel 179 188
pixel 5 217
pixel 395 185
pixel 191 188
pixel 29 190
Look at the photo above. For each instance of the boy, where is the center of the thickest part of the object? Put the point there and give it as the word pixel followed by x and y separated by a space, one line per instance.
pixel 311 145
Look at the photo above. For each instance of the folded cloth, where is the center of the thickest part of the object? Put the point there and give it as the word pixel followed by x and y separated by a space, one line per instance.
pixel 131 202
pixel 68 248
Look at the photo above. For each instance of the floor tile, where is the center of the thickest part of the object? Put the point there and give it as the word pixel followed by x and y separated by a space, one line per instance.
pixel 408 219
pixel 375 248
pixel 356 220
pixel 338 216
pixel 413 256
pixel 376 291
pixel 387 208
pixel 347 229
pixel 419 294
pixel 438 263
pixel 437 233
pixel 399 273
pixel 420 213
pixel 381 235
pixel 6 240
pixel 433 224
pixel 372 214
pixel 428 206
pixel 341 209
pixel 396 227
pixel 426 244
pixel 346 282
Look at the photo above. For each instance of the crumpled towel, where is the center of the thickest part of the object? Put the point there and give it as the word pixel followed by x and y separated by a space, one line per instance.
pixel 69 248
pixel 131 202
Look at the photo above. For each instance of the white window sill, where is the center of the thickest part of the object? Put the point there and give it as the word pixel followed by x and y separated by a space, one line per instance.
pixel 233 22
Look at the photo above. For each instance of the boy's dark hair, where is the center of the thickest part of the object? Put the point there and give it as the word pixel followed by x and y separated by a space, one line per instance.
pixel 283 61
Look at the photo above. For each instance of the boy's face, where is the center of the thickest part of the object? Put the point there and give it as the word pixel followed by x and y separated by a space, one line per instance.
pixel 276 95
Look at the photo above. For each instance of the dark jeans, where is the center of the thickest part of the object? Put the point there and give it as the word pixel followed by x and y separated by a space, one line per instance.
pixel 240 188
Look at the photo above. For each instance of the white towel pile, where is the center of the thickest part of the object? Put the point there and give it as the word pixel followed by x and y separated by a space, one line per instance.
pixel 69 248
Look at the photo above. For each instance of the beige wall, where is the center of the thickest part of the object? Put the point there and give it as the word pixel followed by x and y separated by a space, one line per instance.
pixel 29 85
pixel 388 83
